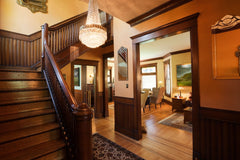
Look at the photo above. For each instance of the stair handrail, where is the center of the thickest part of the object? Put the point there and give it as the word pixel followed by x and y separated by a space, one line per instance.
pixel 74 119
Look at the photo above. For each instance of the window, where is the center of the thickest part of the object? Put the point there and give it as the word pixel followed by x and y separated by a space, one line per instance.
pixel 167 76
pixel 149 76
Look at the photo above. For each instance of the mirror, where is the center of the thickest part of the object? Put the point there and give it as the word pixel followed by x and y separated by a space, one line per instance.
pixel 123 64
pixel 225 45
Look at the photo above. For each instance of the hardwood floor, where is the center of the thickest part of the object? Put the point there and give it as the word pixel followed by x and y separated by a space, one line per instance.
pixel 159 143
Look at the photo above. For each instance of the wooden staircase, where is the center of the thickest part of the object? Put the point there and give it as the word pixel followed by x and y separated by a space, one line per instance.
pixel 28 124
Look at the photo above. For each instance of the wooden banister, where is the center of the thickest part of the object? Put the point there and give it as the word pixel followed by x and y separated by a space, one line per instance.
pixel 75 120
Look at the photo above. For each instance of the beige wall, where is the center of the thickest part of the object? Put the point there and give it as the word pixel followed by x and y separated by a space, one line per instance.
pixel 184 58
pixel 16 18
pixel 223 94
pixel 67 71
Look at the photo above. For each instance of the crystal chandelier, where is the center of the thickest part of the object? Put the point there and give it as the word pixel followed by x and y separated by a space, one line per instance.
pixel 93 34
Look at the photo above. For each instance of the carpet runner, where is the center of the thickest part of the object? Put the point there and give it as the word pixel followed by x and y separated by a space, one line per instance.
pixel 104 149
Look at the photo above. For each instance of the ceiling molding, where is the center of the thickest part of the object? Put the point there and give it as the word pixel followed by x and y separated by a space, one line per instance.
pixel 167 55
pixel 157 11
pixel 151 59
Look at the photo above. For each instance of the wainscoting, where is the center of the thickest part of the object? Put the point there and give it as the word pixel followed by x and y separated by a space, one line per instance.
pixel 99 112
pixel 125 121
pixel 219 134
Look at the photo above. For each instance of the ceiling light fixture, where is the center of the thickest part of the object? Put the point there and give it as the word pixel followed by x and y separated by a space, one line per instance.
pixel 93 34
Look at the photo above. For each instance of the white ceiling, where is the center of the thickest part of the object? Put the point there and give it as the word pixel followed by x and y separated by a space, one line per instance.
pixel 162 46
pixel 128 9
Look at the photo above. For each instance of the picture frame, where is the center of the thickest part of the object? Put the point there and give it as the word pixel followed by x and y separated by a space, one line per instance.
pixel 184 74
pixel 123 64
pixel 76 77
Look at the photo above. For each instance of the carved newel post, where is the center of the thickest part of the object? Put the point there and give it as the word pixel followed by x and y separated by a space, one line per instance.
pixel 83 133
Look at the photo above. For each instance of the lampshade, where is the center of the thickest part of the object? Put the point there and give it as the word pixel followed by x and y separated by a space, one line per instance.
pixel 93 34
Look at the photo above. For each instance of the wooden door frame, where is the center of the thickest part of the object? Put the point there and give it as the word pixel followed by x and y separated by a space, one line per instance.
pixel 105 86
pixel 89 63
pixel 188 23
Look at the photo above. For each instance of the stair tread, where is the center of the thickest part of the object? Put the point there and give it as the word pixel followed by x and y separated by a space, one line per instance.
pixel 12 89
pixel 35 151
pixel 25 132
pixel 16 116
pixel 25 100
pixel 18 70
pixel 22 79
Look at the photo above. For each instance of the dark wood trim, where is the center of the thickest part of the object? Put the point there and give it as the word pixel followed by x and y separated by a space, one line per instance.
pixel 187 23
pixel 152 59
pixel 154 34
pixel 220 115
pixel 157 11
pixel 19 36
pixel 167 55
pixel 66 22
pixel 99 112
pixel 180 51
pixel 105 83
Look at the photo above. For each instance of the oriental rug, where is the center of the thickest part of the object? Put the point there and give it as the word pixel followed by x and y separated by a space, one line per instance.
pixel 104 149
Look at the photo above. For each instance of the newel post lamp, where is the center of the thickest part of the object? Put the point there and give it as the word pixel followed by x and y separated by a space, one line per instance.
pixel 92 34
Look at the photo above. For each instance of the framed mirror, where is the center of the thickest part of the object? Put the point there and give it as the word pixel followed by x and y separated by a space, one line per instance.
pixel 226 48
pixel 123 64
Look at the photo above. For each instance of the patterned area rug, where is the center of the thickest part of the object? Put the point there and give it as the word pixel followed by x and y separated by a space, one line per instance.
pixel 104 149
pixel 176 120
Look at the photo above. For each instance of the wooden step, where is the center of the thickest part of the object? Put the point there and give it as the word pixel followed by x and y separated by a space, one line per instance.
pixel 27 122
pixel 13 85
pixel 26 132
pixel 21 96
pixel 36 151
pixel 27 142
pixel 31 105
pixel 16 116
pixel 57 155
pixel 7 74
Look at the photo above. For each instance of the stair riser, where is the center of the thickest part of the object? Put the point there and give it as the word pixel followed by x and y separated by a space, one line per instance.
pixel 19 75
pixel 14 85
pixel 20 95
pixel 58 155
pixel 29 141
pixel 27 122
pixel 18 108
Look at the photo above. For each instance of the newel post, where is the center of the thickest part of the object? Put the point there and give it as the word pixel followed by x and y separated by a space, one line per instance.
pixel 44 39
pixel 83 132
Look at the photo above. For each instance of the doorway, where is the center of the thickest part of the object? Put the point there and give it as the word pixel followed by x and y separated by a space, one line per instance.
pixel 84 81
pixel 108 83
pixel 188 23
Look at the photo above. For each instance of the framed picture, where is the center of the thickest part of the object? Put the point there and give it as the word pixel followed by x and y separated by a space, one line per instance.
pixel 184 75
pixel 76 77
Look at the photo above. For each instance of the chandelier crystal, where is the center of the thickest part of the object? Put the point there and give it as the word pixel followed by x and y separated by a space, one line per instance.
pixel 93 34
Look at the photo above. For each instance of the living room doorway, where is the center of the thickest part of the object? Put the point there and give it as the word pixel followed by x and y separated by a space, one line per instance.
pixel 186 24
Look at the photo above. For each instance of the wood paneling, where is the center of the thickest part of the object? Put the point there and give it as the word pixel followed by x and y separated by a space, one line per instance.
pixel 220 134
pixel 99 112
pixel 125 117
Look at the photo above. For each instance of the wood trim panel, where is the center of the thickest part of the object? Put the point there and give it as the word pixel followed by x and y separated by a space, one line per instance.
pixel 152 59
pixel 105 83
pixel 19 36
pixel 187 23
pixel 157 11
pixel 125 122
pixel 99 110
pixel 220 134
